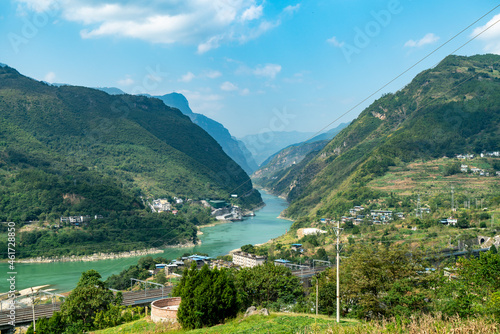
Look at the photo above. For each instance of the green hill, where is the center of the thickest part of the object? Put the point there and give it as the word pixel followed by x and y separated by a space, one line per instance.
pixel 453 108
pixel 78 151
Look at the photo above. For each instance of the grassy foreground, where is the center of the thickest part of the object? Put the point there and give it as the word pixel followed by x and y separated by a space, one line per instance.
pixel 308 324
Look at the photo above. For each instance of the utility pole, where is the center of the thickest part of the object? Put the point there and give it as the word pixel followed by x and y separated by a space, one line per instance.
pixel 452 199
pixel 419 210
pixel 317 293
pixel 338 230
pixel 33 309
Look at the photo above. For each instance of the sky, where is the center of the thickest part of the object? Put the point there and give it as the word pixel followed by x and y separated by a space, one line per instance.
pixel 255 66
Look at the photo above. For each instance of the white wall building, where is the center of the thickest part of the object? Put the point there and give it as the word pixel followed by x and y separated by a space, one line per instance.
pixel 243 259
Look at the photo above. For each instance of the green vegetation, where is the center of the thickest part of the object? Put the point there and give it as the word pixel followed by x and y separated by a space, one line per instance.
pixel 308 324
pixel 267 285
pixel 444 111
pixel 89 306
pixel 67 151
pixel 208 297
pixel 140 271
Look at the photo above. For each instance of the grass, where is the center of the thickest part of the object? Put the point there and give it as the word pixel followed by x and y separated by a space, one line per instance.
pixel 308 324
pixel 274 323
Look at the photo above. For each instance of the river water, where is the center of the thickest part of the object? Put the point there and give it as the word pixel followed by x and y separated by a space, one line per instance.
pixel 216 240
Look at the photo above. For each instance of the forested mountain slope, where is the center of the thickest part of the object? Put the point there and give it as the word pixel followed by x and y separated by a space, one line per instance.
pixel 79 150
pixel 447 110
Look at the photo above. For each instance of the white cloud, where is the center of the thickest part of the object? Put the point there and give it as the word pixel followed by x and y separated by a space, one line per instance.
pixel 187 77
pixel 291 9
pixel 38 5
pixel 335 42
pixel 491 37
pixel 202 102
pixel 245 91
pixel 204 23
pixel 430 38
pixel 50 77
pixel 212 43
pixel 211 74
pixel 228 86
pixel 268 70
pixel 252 13
pixel 128 81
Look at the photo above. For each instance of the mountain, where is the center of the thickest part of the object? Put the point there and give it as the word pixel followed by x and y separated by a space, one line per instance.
pixel 111 90
pixel 265 144
pixel 277 164
pixel 453 108
pixel 76 150
pixel 229 144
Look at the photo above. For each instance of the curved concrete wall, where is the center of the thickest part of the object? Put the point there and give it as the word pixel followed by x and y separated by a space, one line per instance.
pixel 165 309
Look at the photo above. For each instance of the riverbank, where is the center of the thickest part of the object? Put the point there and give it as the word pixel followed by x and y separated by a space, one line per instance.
pixel 90 258
pixel 216 240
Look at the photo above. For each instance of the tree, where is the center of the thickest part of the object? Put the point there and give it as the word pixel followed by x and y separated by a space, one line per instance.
pixel 248 248
pixel 375 280
pixel 267 285
pixel 208 297
pixel 160 277
pixel 88 298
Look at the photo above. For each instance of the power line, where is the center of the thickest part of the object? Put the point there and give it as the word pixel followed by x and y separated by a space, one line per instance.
pixel 401 74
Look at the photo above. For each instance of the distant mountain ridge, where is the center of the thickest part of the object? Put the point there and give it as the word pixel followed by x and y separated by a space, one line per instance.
pixel 229 144
pixel 265 144
pixel 277 164
pixel 232 146
pixel 446 110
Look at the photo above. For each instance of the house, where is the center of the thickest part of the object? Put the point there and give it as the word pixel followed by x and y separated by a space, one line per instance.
pixel 161 205
pixel 475 170
pixel 464 168
pixel 400 215
pixel 75 220
pixel 498 173
pixel 247 260
pixel 381 214
pixel 297 247
pixel 355 210
pixel 465 156
pixel 452 221
pixel 281 262
pixel 312 230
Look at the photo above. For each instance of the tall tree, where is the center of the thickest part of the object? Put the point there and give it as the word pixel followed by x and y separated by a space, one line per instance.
pixel 267 284
pixel 88 298
pixel 208 297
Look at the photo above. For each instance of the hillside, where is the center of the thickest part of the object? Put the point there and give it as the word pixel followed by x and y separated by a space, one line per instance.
pixel 81 151
pixel 265 144
pixel 453 108
pixel 229 144
pixel 277 164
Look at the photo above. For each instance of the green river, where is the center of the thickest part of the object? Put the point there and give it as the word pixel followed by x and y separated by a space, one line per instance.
pixel 216 240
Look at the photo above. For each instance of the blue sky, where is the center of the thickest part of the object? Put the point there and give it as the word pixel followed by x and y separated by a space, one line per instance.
pixel 252 65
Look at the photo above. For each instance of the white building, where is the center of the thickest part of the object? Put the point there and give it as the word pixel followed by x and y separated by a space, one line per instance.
pixel 243 259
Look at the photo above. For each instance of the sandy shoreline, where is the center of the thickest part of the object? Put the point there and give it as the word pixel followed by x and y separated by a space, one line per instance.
pixel 93 257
